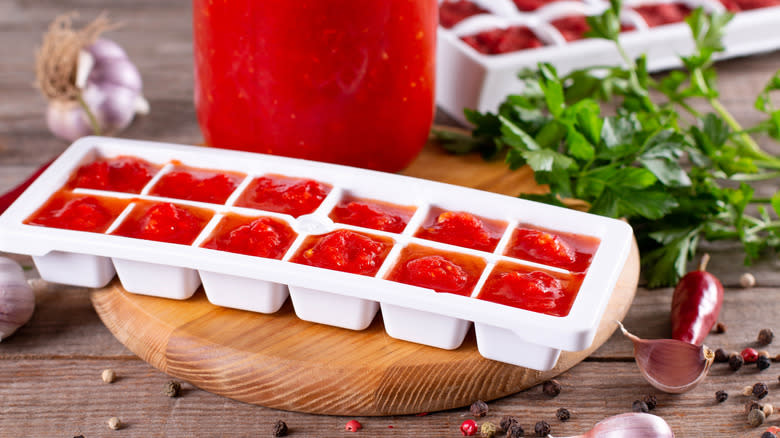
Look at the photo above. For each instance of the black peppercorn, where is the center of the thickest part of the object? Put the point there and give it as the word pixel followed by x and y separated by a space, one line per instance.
pixel 720 328
pixel 721 356
pixel 79 436
pixel 765 336
pixel 768 434
pixel 542 428
pixel 551 388
pixel 506 423
pixel 760 390
pixel 479 409
pixel 639 406
pixel 172 389
pixel 721 396
pixel 752 404
pixel 651 401
pixel 563 414
pixel 280 428
pixel 515 431
pixel 756 417
pixel 735 361
pixel 763 363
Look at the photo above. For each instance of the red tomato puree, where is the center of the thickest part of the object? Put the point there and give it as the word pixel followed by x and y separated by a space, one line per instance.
pixel 283 194
pixel 531 289
pixel 197 184
pixel 439 270
pixel 497 41
pixel 344 250
pixel 666 13
pixel 372 214
pixel 78 212
pixel 562 250
pixel 452 12
pixel 574 27
pixel 164 222
pixel 120 174
pixel 462 229
pixel 261 237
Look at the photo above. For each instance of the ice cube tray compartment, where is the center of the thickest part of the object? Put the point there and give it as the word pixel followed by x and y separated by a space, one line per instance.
pixel 466 78
pixel 320 295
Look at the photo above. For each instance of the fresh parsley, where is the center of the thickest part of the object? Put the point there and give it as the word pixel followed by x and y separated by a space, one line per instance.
pixel 597 135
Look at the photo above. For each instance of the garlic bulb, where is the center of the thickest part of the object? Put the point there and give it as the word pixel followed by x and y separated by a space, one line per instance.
pixel 632 425
pixel 17 300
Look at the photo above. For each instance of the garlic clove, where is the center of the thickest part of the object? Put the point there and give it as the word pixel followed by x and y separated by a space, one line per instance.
pixel 17 300
pixel 631 425
pixel 670 365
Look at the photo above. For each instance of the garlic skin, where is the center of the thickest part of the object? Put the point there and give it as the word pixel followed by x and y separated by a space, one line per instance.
pixel 631 425
pixel 17 300
pixel 110 87
pixel 670 365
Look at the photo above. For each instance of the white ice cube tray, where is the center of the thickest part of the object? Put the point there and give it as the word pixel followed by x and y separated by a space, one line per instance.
pixel 466 78
pixel 412 313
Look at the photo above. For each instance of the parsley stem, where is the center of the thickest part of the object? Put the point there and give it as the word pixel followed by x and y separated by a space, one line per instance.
pixel 748 144
pixel 748 177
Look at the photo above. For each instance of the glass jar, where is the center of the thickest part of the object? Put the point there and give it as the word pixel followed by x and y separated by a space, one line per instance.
pixel 342 81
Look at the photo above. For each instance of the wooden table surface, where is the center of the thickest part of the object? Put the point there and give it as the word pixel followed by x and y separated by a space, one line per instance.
pixel 50 369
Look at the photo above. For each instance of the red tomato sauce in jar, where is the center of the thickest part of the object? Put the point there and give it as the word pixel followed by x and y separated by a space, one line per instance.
pixel 441 271
pixel 346 251
pixel 120 174
pixel 197 184
pixel 369 213
pixel 569 251
pixel 498 41
pixel 452 12
pixel 261 237
pixel 531 289
pixel 164 222
pixel 284 194
pixel 462 229
pixel 341 81
pixel 78 212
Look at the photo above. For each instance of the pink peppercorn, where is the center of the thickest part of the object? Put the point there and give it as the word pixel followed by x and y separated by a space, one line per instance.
pixel 750 355
pixel 468 428
pixel 353 426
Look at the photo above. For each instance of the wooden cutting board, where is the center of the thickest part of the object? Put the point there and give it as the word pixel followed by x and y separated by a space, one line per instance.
pixel 282 362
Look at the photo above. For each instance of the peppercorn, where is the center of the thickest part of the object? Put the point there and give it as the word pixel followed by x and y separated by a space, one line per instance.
pixel 172 389
pixel 280 428
pixel 651 401
pixel 756 417
pixel 768 434
pixel 768 410
pixel 765 336
pixel 468 427
pixel 760 390
pixel 551 388
pixel 747 280
pixel 542 428
pixel 721 396
pixel 479 409
pixel 735 361
pixel 79 436
pixel 752 404
pixel 115 423
pixel 763 363
pixel 749 355
pixel 108 376
pixel 721 356
pixel 720 328
pixel 640 406
pixel 515 431
pixel 353 426
pixel 506 423
pixel 487 430
pixel 563 414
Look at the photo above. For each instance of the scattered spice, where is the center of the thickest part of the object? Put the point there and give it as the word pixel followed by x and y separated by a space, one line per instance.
pixel 108 376
pixel 747 280
pixel 487 430
pixel 115 423
pixel 640 406
pixel 353 426
pixel 768 410
pixel 542 428
pixel 765 336
pixel 768 434
pixel 172 389
pixel 756 417
pixel 563 414
pixel 752 404
pixel 506 423
pixel 749 355
pixel 721 396
pixel 479 409
pixel 515 431
pixel 773 429
pixel 280 428
pixel 721 356
pixel 735 361
pixel 468 428
pixel 551 388
pixel 763 362
pixel 760 390
pixel 651 401
pixel 720 328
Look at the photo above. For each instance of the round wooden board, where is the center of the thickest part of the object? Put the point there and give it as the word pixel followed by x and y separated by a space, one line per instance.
pixel 282 362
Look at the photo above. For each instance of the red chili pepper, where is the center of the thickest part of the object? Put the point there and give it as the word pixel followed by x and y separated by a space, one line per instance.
pixel 696 304
pixel 9 197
